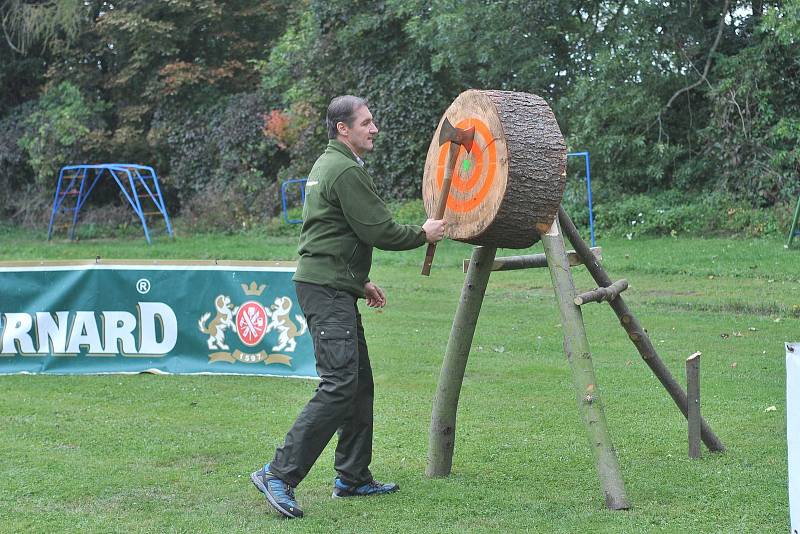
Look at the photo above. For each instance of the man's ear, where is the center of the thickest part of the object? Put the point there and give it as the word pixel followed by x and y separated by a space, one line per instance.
pixel 341 128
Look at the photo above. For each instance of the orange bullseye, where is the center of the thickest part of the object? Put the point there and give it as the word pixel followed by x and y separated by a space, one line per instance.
pixel 483 142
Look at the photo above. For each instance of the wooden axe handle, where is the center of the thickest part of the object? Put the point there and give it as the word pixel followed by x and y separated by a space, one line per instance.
pixel 441 204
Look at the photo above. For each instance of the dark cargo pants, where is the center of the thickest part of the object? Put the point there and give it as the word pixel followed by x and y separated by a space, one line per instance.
pixel 343 400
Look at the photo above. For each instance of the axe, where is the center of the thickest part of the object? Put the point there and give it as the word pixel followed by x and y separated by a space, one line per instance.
pixel 457 137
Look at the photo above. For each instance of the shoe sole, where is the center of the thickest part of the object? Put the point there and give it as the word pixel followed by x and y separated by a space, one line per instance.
pixel 334 496
pixel 263 489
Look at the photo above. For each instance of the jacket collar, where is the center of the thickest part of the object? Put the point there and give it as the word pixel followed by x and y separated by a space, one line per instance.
pixel 338 146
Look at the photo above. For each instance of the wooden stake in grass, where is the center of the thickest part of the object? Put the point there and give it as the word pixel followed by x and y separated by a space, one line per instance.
pixel 442 436
pixel 693 397
pixel 576 347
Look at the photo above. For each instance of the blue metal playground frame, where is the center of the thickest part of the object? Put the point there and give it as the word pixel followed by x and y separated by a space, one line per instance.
pixel 584 155
pixel 286 184
pixel 131 179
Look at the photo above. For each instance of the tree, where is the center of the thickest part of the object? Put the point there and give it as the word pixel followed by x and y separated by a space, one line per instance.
pixel 27 25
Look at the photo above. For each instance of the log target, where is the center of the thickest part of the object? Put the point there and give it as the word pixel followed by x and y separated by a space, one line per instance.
pixel 507 189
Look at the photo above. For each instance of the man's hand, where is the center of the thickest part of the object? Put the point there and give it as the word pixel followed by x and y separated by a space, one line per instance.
pixel 376 298
pixel 434 230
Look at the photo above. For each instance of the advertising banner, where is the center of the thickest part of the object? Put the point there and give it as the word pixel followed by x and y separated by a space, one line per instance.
pixel 136 316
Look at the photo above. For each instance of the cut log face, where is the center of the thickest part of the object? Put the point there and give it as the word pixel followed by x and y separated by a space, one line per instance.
pixel 507 189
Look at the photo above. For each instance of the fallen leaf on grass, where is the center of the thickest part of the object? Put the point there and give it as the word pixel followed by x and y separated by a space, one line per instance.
pixel 733 365
pixel 724 335
pixel 501 348
pixel 737 334
pixel 770 409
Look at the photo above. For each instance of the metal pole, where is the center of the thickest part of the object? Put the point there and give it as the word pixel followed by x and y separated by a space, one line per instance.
pixel 56 205
pixel 588 191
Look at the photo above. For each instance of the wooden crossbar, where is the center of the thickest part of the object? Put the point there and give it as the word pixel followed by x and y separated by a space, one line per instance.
pixel 534 261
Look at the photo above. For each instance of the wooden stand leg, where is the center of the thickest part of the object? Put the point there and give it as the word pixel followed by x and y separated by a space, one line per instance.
pixel 441 440
pixel 636 332
pixel 576 347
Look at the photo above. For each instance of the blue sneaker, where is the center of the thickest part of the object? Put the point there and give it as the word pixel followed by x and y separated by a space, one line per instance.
pixel 278 493
pixel 373 487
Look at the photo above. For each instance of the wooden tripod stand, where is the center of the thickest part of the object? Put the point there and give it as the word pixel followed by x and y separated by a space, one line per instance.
pixel 576 346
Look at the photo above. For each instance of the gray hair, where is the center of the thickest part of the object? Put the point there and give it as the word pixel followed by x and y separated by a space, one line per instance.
pixel 342 109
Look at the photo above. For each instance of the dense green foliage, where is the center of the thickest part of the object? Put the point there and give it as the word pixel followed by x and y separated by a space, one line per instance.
pixel 226 98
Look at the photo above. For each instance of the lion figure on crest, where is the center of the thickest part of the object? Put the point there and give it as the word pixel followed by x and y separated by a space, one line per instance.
pixel 278 313
pixel 222 321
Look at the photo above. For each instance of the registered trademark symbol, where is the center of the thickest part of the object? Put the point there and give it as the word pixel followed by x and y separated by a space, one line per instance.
pixel 143 286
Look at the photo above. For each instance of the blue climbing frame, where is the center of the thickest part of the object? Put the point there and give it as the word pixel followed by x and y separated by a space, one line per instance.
pixel 135 181
pixel 585 155
pixel 284 185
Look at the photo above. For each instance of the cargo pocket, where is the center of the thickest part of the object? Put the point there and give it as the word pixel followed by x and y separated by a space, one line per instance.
pixel 336 347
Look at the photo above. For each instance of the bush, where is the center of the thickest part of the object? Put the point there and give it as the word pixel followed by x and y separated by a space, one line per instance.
pixel 672 213
pixel 63 128
pixel 228 209
pixel 215 152
pixel 409 212
pixel 13 160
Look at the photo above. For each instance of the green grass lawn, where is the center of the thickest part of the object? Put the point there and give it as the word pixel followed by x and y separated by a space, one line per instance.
pixel 173 453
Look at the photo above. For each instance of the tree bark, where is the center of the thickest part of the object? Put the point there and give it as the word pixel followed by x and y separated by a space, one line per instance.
pixel 635 331
pixel 442 435
pixel 576 347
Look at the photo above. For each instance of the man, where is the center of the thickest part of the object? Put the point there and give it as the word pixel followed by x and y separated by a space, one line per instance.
pixel 344 218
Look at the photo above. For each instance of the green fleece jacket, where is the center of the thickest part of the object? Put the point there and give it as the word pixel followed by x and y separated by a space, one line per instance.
pixel 343 219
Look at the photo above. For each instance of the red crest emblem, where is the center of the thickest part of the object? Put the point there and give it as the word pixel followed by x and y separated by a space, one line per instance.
pixel 251 323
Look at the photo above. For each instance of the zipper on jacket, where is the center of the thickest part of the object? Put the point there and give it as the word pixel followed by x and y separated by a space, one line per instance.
pixel 350 262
